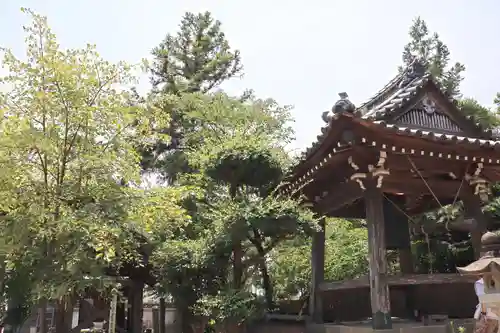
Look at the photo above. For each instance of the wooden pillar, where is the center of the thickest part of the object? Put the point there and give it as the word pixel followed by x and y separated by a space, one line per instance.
pixel 473 208
pixel 318 274
pixel 379 289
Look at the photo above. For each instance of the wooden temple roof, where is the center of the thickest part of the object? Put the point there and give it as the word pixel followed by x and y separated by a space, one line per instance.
pixel 412 122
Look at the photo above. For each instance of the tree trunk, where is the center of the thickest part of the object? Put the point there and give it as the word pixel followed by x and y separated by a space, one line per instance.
pixel 237 263
pixel 266 279
pixel 137 293
pixel 237 250
pixel 266 283
pixel 162 315
pixel 186 319
pixel 63 315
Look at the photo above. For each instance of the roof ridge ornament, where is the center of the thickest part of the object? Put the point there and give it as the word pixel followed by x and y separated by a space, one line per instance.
pixel 341 106
pixel 416 69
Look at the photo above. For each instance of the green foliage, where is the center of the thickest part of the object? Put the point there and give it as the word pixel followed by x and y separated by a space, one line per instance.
pixel 238 143
pixel 346 251
pixel 497 102
pixel 440 253
pixel 243 163
pixel 237 146
pixel 484 116
pixel 236 306
pixel 198 58
pixel 68 134
pixel 435 55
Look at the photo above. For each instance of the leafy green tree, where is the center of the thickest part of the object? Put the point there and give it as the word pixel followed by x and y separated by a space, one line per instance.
pixel 482 115
pixel 68 134
pixel 242 148
pixel 198 58
pixel 346 253
pixel 238 149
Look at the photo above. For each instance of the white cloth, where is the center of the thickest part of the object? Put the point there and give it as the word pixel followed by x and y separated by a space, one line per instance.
pixel 479 288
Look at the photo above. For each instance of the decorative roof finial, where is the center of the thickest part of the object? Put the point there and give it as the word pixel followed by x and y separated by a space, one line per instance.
pixel 417 66
pixel 344 104
pixel 416 69
pixel 326 116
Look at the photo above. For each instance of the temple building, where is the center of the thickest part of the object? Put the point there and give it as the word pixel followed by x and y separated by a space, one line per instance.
pixel 409 149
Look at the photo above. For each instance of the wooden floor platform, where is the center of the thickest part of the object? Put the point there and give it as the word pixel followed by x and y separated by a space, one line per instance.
pixel 451 326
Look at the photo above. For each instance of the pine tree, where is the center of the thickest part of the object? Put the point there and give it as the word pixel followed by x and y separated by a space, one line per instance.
pixel 197 59
pixel 435 55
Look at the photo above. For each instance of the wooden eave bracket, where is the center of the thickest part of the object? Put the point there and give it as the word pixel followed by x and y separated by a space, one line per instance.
pixel 480 185
pixel 377 171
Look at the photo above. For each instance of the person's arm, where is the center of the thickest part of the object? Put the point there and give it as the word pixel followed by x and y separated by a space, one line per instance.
pixel 483 309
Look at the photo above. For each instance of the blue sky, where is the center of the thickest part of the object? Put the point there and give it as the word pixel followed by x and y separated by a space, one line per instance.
pixel 301 53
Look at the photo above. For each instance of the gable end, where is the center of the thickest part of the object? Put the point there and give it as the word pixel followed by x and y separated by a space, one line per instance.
pixel 427 114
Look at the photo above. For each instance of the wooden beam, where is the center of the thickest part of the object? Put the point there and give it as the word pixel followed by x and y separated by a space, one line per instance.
pixel 390 138
pixel 324 177
pixel 399 280
pixel 400 161
pixel 379 289
pixel 408 185
pixel 341 195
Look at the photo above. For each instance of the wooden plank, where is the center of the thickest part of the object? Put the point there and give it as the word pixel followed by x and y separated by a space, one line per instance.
pixel 399 280
pixel 400 161
pixel 287 317
pixel 379 289
pixel 409 185
pixel 435 145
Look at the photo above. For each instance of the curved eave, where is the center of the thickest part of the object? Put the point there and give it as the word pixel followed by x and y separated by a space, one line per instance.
pixel 467 144
pixel 388 137
pixel 321 151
